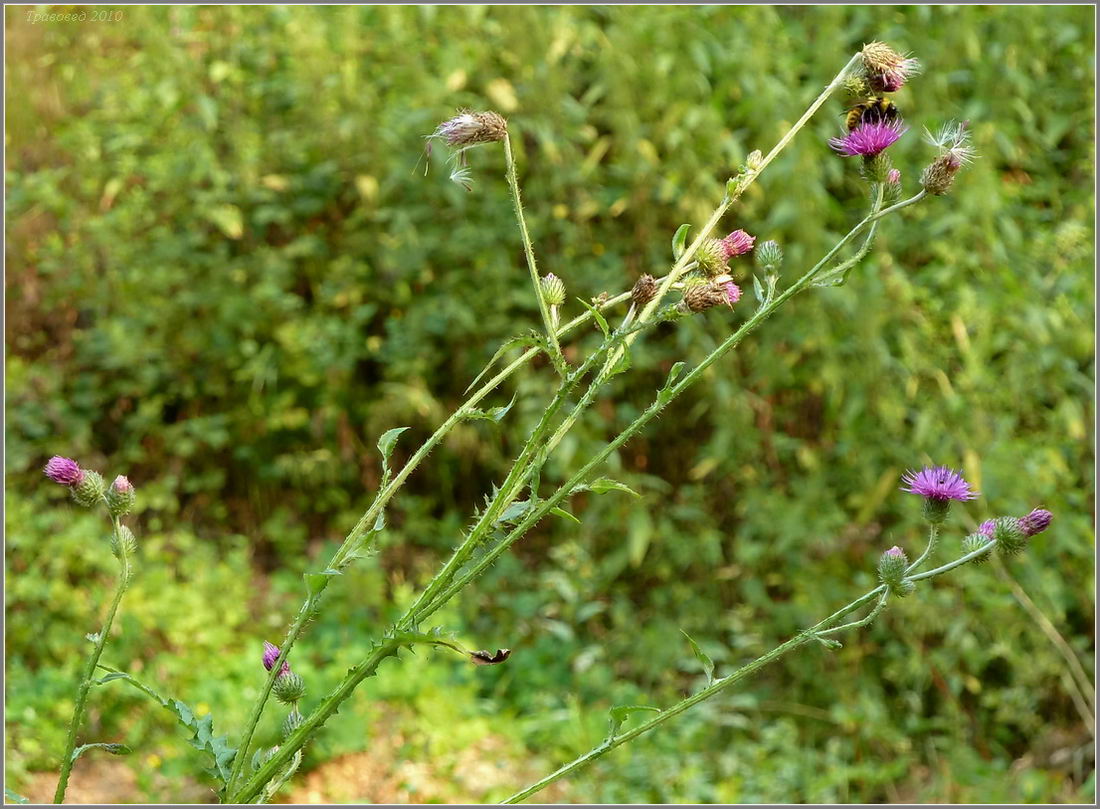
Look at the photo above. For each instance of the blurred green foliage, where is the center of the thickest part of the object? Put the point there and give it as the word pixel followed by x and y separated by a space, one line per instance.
pixel 227 274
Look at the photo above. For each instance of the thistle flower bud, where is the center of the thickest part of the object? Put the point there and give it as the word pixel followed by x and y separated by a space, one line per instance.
pixel 891 570
pixel 470 128
pixel 289 688
pixel 754 160
pixel 65 471
pixel 1010 537
pixel 120 497
pixel 976 542
pixel 1035 522
pixel 90 490
pixel 292 722
pixel 893 177
pixel 645 289
pixel 737 244
pixel 271 654
pixel 769 257
pixel 712 257
pixel 702 296
pixel 553 290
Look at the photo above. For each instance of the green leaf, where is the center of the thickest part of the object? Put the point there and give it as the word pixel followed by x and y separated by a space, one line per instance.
pixel 604 485
pixel 561 512
pixel 623 364
pixel 387 442
pixel 515 511
pixel 621 713
pixel 673 374
pixel 679 241
pixel 227 218
pixel 317 582
pixel 113 748
pixel 494 414
pixel 599 318
pixel 14 797
pixel 703 657
pixel 758 288
pixel 202 728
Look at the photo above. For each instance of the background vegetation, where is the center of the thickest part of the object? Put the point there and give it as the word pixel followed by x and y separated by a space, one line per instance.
pixel 227 274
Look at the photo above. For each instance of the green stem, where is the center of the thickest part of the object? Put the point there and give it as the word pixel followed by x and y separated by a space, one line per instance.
pixel 718 685
pixel 90 666
pixel 651 412
pixel 529 252
pixel 933 535
pixel 818 630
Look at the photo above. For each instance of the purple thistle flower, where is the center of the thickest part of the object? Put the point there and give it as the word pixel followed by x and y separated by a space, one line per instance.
pixel 271 654
pixel 938 483
pixel 986 528
pixel 65 471
pixel 894 552
pixel 733 292
pixel 122 485
pixel 893 177
pixel 1036 521
pixel 737 244
pixel 869 138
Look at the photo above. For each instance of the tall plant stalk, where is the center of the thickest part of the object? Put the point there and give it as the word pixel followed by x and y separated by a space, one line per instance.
pixel 87 675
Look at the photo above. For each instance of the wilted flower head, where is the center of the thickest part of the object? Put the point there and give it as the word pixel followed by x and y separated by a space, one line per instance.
pixel 271 654
pixel 470 128
pixel 1035 521
pixel 65 471
pixel 645 289
pixel 886 69
pixel 736 244
pixel 938 483
pixel 701 296
pixel 955 150
pixel 869 138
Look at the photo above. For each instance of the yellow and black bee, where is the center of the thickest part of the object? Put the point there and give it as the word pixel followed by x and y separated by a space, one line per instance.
pixel 871 111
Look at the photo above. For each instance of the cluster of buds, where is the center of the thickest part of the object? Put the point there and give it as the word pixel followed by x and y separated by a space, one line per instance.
pixel 1010 533
pixel 88 488
pixel 954 151
pixel 288 688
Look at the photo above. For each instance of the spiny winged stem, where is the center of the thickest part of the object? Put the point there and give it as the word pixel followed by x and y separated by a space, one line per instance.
pixel 816 632
pixel 678 269
pixel 529 252
pixel 93 660
pixel 663 398
pixel 370 517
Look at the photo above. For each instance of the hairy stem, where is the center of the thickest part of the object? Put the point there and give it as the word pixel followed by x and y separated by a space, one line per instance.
pixel 529 252
pixel 89 667
pixel 933 535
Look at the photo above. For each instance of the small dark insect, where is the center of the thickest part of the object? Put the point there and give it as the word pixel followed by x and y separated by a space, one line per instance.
pixel 483 658
pixel 871 111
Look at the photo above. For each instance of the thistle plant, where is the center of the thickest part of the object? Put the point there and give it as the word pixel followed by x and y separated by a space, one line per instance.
pixel 701 282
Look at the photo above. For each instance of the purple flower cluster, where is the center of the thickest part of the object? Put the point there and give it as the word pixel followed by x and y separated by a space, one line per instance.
pixel 869 138
pixel 1034 522
pixel 938 483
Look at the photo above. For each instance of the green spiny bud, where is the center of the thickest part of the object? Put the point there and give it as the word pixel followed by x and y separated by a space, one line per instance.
pixel 712 257
pixel 976 542
pixel 553 290
pixel 292 722
pixel 1009 535
pixel 120 497
pixel 289 688
pixel 891 571
pixel 769 257
pixel 935 509
pixel 90 490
